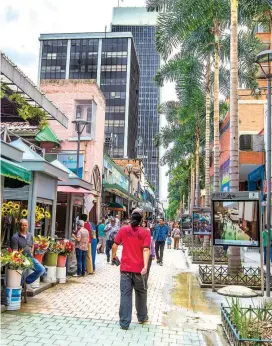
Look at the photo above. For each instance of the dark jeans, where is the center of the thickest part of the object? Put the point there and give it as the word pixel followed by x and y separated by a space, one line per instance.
pixel 81 261
pixel 265 254
pixel 127 283
pixel 159 248
pixel 94 245
pixel 109 244
pixel 149 266
pixel 38 271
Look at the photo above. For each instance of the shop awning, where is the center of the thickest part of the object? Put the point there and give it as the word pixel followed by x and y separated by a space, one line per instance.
pixel 14 171
pixel 116 206
pixel 118 190
pixel 70 189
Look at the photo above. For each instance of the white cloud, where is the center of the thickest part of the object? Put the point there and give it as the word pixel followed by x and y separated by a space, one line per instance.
pixel 22 22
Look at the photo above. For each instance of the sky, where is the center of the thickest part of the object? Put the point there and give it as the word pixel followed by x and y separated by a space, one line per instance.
pixel 22 22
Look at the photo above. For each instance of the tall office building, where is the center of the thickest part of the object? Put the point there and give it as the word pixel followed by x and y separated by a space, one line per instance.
pixel 111 60
pixel 141 23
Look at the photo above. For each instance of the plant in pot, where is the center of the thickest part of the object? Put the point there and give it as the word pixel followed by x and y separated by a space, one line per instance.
pixel 68 248
pixel 16 263
pixel 41 245
pixel 55 247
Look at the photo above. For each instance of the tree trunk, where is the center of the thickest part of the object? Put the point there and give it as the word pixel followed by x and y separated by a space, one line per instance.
pixel 206 242
pixel 207 137
pixel 192 187
pixel 234 261
pixel 216 148
pixel 197 190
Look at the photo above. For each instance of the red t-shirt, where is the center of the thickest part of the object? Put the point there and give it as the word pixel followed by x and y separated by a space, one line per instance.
pixel 89 229
pixel 134 240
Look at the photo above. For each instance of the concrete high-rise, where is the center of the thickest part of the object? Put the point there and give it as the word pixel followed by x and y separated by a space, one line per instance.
pixel 141 23
pixel 111 60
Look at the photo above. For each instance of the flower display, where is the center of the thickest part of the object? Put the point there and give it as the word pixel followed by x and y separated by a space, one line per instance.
pixel 55 246
pixel 41 245
pixel 68 247
pixel 15 260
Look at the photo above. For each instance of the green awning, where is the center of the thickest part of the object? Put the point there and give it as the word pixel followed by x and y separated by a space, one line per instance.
pixel 116 205
pixel 121 189
pixel 15 171
pixel 47 135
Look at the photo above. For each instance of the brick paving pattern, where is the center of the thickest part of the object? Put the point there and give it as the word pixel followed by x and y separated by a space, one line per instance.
pixel 84 311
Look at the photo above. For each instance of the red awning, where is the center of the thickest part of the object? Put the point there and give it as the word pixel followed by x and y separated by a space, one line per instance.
pixel 70 189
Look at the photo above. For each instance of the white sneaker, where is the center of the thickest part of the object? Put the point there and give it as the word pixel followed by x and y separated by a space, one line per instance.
pixel 29 287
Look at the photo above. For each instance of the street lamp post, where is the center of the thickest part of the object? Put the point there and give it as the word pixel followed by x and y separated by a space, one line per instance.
pixel 129 167
pixel 264 60
pixel 79 131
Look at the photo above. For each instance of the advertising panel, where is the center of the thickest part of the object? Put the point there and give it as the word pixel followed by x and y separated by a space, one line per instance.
pixel 186 223
pixel 70 161
pixel 202 222
pixel 236 219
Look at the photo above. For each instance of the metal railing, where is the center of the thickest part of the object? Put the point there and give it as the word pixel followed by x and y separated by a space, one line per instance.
pixel 248 276
pixel 233 333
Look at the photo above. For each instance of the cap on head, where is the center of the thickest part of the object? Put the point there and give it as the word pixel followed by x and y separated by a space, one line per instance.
pixel 138 211
pixel 80 223
pixel 113 219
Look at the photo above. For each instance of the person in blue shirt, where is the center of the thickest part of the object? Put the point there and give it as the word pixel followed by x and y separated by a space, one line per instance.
pixel 160 235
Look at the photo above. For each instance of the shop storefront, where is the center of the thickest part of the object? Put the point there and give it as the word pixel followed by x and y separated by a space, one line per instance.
pixel 36 201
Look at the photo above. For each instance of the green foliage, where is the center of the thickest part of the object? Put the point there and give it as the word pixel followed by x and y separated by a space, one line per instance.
pixel 34 115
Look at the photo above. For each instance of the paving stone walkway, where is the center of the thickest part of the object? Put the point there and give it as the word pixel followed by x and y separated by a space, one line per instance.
pixel 84 311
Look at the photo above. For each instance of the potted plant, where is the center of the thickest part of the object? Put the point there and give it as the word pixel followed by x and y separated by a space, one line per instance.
pixel 41 245
pixel 54 249
pixel 68 248
pixel 16 263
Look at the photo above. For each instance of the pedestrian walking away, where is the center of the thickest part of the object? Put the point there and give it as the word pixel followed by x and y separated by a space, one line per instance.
pixel 176 233
pixel 111 230
pixel 23 240
pixel 152 249
pixel 94 244
pixel 102 237
pixel 159 236
pixel 169 241
pixel 89 261
pixel 135 255
pixel 82 241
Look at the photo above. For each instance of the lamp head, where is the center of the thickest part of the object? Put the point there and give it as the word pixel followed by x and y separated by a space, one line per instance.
pixel 264 60
pixel 129 167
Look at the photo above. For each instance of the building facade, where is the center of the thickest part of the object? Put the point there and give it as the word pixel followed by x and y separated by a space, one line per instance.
pixel 80 100
pixel 111 60
pixel 141 24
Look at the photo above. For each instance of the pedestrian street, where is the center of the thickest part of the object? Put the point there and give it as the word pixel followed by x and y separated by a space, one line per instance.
pixel 84 311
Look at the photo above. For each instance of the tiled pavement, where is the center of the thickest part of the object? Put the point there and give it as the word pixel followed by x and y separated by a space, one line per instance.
pixel 84 311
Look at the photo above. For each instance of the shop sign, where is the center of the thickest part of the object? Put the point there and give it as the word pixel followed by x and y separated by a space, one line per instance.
pixel 70 161
pixel 224 176
pixel 115 176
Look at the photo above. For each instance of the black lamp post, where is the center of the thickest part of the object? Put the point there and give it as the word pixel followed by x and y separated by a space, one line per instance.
pixel 264 60
pixel 79 131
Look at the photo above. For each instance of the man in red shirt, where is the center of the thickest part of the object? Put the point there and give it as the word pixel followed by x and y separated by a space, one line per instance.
pixel 135 255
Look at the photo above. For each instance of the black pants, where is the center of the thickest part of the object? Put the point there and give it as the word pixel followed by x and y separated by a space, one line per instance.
pixel 159 248
pixel 127 283
pixel 109 244
pixel 149 266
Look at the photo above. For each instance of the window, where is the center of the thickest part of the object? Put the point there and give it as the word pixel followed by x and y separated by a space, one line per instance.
pixel 246 142
pixel 86 111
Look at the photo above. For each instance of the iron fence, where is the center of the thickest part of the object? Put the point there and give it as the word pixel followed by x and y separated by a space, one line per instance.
pixel 248 276
pixel 232 332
